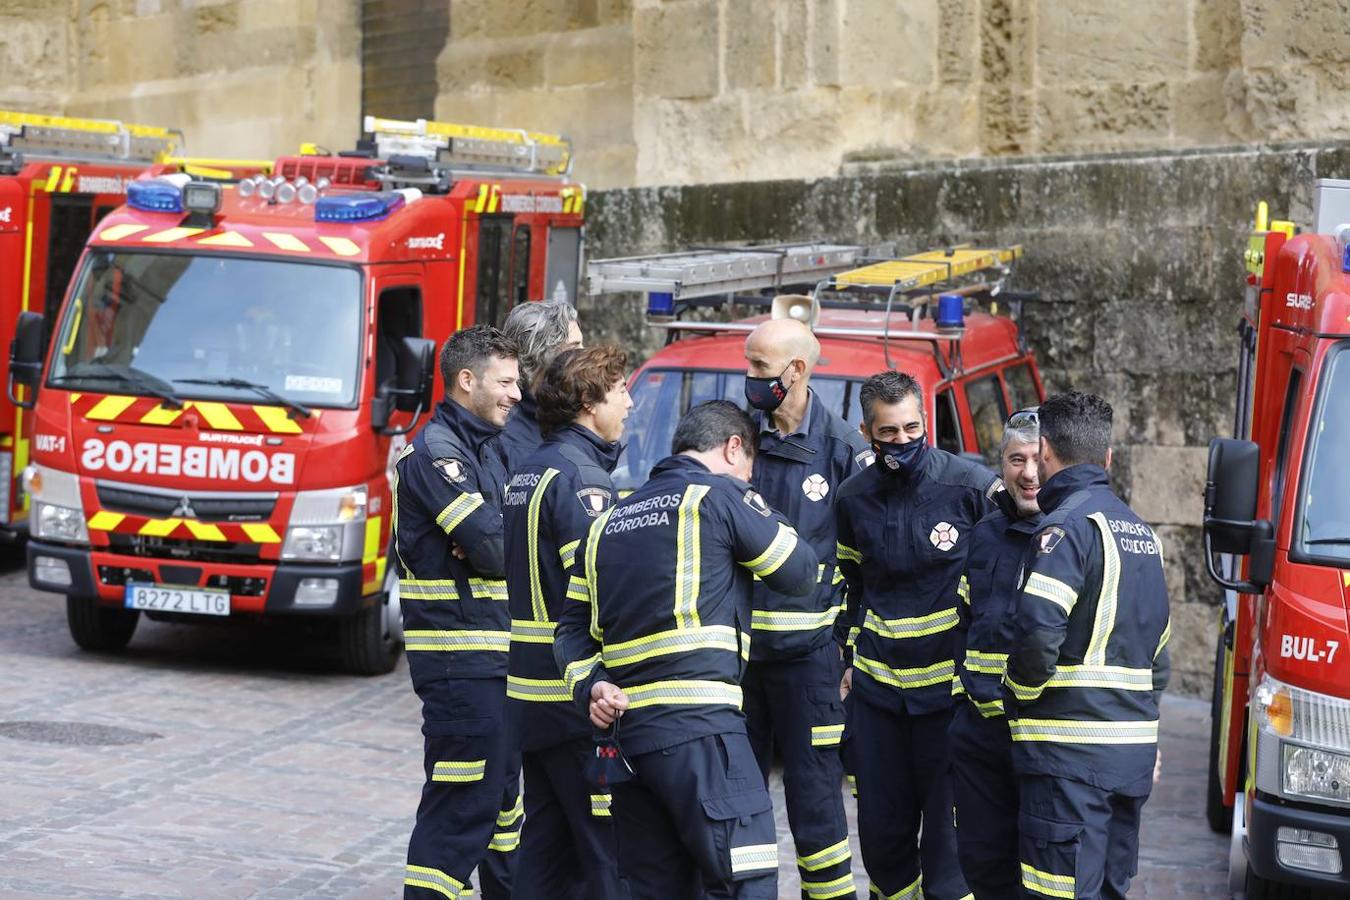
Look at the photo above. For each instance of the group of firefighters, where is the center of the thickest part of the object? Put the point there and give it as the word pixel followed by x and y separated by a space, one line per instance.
pixel 981 657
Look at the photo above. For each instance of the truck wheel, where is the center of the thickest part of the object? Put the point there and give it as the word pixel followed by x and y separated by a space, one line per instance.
pixel 99 628
pixel 1219 816
pixel 372 639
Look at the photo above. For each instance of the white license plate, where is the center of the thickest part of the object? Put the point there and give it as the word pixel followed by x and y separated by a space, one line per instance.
pixel 167 598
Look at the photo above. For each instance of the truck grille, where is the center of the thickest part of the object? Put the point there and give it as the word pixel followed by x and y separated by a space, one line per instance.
pixel 187 550
pixel 242 508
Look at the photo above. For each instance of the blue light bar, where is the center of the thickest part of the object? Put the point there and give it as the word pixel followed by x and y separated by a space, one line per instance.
pixel 357 207
pixel 154 196
pixel 950 311
pixel 1345 259
pixel 660 304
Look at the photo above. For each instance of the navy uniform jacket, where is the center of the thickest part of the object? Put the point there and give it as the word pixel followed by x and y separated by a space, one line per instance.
pixel 902 548
pixel 447 489
pixel 521 436
pixel 1089 660
pixel 550 504
pixel 984 633
pixel 799 476
pixel 667 581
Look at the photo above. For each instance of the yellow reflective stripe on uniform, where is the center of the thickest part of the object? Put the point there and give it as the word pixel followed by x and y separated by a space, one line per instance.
pixel 448 641
pixel 911 892
pixel 923 676
pixel 537 690
pixel 784 620
pixel 963 589
pixel 505 841
pixel 853 633
pixel 1119 677
pixel 1104 622
pixel 1068 731
pixel 957 687
pixel 914 627
pixel 567 553
pixel 488 588
pixel 1166 636
pixel 428 589
pixel 683 693
pixel 432 880
pixel 852 784
pixel 508 817
pixel 458 770
pixel 1052 589
pixel 1024 692
pixel 578 671
pixel 600 804
pixel 847 553
pixel 680 640
pixel 1047 884
pixel 576 590
pixel 688 557
pixel 779 549
pixel 986 663
pixel 537 604
pixel 457 510
pixel 823 859
pixel 824 890
pixel 989 707
pixel 528 631
pixel 826 735
pixel 592 545
pixel 753 857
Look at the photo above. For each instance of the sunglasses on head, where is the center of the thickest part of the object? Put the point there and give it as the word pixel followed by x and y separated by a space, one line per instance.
pixel 1023 418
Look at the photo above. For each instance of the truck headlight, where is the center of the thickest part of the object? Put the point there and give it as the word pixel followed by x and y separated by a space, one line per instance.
pixel 1302 742
pixel 1310 772
pixel 58 511
pixel 327 526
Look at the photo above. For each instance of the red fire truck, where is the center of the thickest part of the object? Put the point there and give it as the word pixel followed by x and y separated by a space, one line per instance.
pixel 58 178
pixel 234 369
pixel 1277 533
pixel 869 315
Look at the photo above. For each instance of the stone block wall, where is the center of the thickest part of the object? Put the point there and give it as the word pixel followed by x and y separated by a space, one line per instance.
pixel 1137 258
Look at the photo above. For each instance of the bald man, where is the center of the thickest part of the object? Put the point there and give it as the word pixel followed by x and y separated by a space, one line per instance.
pixel 791 687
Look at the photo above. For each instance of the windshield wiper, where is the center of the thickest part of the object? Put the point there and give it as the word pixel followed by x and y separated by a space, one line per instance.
pixel 262 389
pixel 130 375
pixel 1328 540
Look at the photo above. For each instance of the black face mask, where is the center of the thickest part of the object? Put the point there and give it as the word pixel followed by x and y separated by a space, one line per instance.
pixel 766 394
pixel 905 460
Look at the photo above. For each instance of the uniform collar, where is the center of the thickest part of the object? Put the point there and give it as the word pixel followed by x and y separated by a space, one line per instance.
pixel 1066 481
pixel 605 453
pixel 527 408
pixel 467 426
pixel 680 463
pixel 804 429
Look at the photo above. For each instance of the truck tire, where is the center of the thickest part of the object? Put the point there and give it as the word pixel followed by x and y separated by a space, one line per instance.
pixel 372 640
pixel 1219 815
pixel 99 628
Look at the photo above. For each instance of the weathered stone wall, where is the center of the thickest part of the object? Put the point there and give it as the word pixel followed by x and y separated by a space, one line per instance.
pixel 243 78
pixel 1137 258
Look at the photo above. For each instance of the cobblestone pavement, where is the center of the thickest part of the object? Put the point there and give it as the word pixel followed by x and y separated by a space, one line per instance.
pixel 242 765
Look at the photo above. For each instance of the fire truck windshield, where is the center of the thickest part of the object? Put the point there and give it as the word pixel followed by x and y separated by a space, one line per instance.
pixel 212 327
pixel 1325 500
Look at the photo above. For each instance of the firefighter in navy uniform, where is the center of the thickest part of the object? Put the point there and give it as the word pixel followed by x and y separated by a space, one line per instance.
pixel 662 639
pixel 983 782
pixel 448 546
pixel 1088 666
pixel 904 529
pixel 539 331
pixel 567 846
pixel 792 683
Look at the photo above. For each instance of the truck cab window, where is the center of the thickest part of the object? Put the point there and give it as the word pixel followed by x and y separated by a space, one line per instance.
pixel 1021 386
pixel 946 431
pixel 1286 430
pixel 988 411
pixel 399 316
pixel 520 265
pixel 494 272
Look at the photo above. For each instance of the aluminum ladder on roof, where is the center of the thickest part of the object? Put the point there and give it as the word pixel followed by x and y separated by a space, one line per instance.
pixel 721 270
pixel 86 140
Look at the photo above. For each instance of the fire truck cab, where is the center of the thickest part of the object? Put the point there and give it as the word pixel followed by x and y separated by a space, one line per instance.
pixel 1277 538
pixel 59 177
pixel 936 315
pixel 235 368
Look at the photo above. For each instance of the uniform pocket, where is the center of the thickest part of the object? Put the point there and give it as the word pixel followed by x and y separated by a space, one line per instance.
pixel 827 717
pixel 743 833
pixel 1049 852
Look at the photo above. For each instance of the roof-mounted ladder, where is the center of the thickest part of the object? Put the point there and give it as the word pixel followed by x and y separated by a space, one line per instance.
pixel 720 270
pixel 88 140
pixel 472 146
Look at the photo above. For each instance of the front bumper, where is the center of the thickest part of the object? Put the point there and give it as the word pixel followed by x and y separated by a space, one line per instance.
pixel 271 587
pixel 1264 823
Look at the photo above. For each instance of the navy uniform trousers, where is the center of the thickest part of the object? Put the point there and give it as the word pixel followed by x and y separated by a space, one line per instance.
pixel 794 704
pixel 470 813
pixel 568 842
pixel 902 769
pixel 1068 827
pixel 985 789
pixel 696 822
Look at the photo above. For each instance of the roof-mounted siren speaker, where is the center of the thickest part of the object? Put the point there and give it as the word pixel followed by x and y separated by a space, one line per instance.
pixel 801 307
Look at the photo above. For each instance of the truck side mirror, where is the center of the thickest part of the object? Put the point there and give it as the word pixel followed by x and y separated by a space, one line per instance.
pixel 410 390
pixel 1230 523
pixel 25 358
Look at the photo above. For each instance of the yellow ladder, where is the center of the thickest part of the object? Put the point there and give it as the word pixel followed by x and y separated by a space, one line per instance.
pixel 86 139
pixel 926 269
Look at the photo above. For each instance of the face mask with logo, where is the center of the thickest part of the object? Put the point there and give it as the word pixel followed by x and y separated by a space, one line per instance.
pixel 904 460
pixel 766 393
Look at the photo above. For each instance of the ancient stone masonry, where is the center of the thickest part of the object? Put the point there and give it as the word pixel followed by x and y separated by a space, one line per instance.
pixel 1137 258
